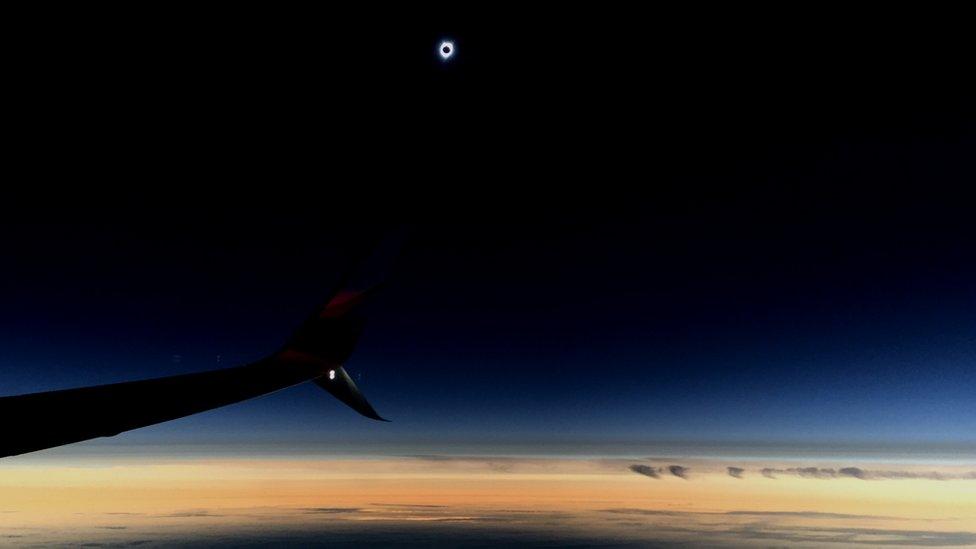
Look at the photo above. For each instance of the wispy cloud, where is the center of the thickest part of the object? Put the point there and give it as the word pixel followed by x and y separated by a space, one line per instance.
pixel 192 514
pixel 864 474
pixel 821 473
pixel 807 514
pixel 795 514
pixel 409 505
pixel 805 472
pixel 330 510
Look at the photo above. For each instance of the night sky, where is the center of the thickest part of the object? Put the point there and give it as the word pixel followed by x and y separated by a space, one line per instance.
pixel 699 233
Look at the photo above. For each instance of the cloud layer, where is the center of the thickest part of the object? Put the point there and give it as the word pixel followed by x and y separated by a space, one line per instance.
pixel 864 474
pixel 397 525
pixel 822 473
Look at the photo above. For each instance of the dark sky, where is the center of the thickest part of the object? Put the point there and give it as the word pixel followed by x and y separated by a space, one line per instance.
pixel 623 228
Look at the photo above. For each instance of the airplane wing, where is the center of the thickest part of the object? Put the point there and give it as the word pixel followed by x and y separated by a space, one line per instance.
pixel 317 352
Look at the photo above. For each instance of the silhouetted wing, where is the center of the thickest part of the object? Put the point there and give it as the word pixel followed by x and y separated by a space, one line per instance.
pixel 45 420
pixel 317 350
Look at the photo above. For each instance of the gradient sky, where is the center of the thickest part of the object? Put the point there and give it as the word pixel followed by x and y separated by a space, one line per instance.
pixel 678 325
pixel 659 245
pixel 671 278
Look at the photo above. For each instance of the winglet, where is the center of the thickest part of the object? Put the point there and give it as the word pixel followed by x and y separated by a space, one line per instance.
pixel 332 332
pixel 338 383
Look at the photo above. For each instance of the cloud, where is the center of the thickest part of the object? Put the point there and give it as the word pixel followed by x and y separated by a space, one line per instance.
pixel 707 528
pixel 896 475
pixel 646 470
pixel 815 472
pixel 819 473
pixel 855 472
pixel 647 512
pixel 805 472
pixel 807 514
pixel 679 471
pixel 330 510
pixel 192 514
pixel 409 505
pixel 854 536
pixel 656 472
pixel 785 514
pixel 396 524
pixel 863 474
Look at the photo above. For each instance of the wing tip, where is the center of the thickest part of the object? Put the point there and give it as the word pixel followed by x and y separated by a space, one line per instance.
pixel 340 385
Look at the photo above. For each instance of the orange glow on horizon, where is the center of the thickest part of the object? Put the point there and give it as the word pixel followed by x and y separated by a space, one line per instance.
pixel 89 495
